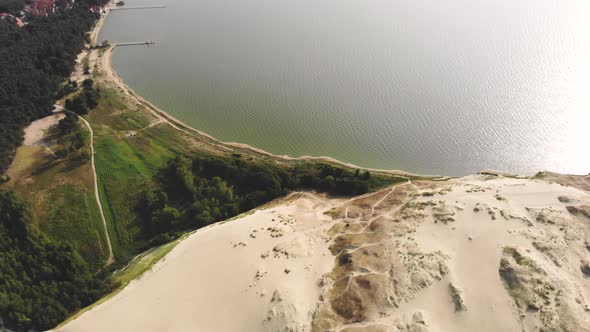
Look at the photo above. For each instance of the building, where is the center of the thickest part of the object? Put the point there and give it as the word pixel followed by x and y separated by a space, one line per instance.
pixel 11 19
pixel 41 7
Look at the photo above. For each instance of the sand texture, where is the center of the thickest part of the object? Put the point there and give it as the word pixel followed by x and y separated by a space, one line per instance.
pixel 479 253
pixel 35 132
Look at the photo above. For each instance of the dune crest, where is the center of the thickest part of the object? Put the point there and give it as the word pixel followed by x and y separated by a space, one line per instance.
pixel 484 252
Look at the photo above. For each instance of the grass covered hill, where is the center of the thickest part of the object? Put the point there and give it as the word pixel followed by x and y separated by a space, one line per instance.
pixel 41 281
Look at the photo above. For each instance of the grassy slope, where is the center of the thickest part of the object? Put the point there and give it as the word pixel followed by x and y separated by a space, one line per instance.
pixel 61 194
pixel 126 164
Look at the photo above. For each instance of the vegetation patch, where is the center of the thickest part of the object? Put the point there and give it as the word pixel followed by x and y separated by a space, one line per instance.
pixel 57 182
pixel 194 192
pixel 41 281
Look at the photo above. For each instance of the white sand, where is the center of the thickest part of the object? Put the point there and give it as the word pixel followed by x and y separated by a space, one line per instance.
pixel 211 282
pixel 474 245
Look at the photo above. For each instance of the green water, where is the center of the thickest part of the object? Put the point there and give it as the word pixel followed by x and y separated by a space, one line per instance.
pixel 425 86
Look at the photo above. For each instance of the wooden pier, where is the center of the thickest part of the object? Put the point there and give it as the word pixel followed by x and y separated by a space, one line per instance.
pixel 147 42
pixel 142 7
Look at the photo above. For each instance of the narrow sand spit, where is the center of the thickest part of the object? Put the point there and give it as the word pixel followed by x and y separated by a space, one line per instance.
pixel 480 253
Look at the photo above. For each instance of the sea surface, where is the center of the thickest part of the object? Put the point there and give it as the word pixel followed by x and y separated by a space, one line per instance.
pixel 427 86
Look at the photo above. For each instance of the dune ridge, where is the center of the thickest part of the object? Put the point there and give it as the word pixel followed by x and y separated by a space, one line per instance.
pixel 485 252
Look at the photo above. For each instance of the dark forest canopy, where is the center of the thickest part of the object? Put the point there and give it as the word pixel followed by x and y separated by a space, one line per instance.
pixel 41 282
pixel 34 61
pixel 11 6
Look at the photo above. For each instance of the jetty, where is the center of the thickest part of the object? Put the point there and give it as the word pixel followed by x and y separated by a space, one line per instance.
pixel 139 7
pixel 147 42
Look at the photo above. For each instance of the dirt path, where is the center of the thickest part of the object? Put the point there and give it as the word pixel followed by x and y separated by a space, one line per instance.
pixel 111 258
pixel 387 195
pixel 155 123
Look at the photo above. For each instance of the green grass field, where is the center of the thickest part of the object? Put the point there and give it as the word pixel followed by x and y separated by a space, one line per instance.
pixel 60 192
pixel 126 164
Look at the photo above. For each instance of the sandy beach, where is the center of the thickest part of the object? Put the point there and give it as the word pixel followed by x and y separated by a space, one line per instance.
pixel 111 77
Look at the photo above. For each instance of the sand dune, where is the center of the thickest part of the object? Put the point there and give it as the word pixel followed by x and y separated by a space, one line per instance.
pixel 485 253
pixel 256 273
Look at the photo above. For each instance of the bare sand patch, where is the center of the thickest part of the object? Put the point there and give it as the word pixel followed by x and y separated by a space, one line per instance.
pixel 35 132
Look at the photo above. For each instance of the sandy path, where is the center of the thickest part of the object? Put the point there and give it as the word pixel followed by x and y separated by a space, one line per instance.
pixel 385 197
pixel 155 123
pixel 111 258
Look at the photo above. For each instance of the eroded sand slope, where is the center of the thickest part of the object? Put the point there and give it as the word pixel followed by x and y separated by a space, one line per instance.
pixel 483 253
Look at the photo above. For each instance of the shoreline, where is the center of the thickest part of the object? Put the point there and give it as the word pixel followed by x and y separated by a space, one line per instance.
pixel 179 125
pixel 106 63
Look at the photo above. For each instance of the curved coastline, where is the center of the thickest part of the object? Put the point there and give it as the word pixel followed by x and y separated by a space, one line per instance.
pixel 113 77
pixel 176 123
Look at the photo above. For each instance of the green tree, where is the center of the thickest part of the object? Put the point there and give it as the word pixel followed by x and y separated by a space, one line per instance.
pixel 11 6
pixel 42 281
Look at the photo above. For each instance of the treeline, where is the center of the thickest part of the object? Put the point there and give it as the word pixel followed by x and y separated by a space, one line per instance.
pixel 72 139
pixel 194 192
pixel 86 100
pixel 34 61
pixel 11 6
pixel 41 282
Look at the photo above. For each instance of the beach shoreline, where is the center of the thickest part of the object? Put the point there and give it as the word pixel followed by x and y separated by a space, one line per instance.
pixel 105 62
pixel 167 117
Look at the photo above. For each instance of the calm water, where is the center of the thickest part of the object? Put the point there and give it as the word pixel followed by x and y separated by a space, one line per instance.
pixel 439 87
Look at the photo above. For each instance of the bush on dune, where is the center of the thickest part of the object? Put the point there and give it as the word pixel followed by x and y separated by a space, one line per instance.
pixel 194 192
